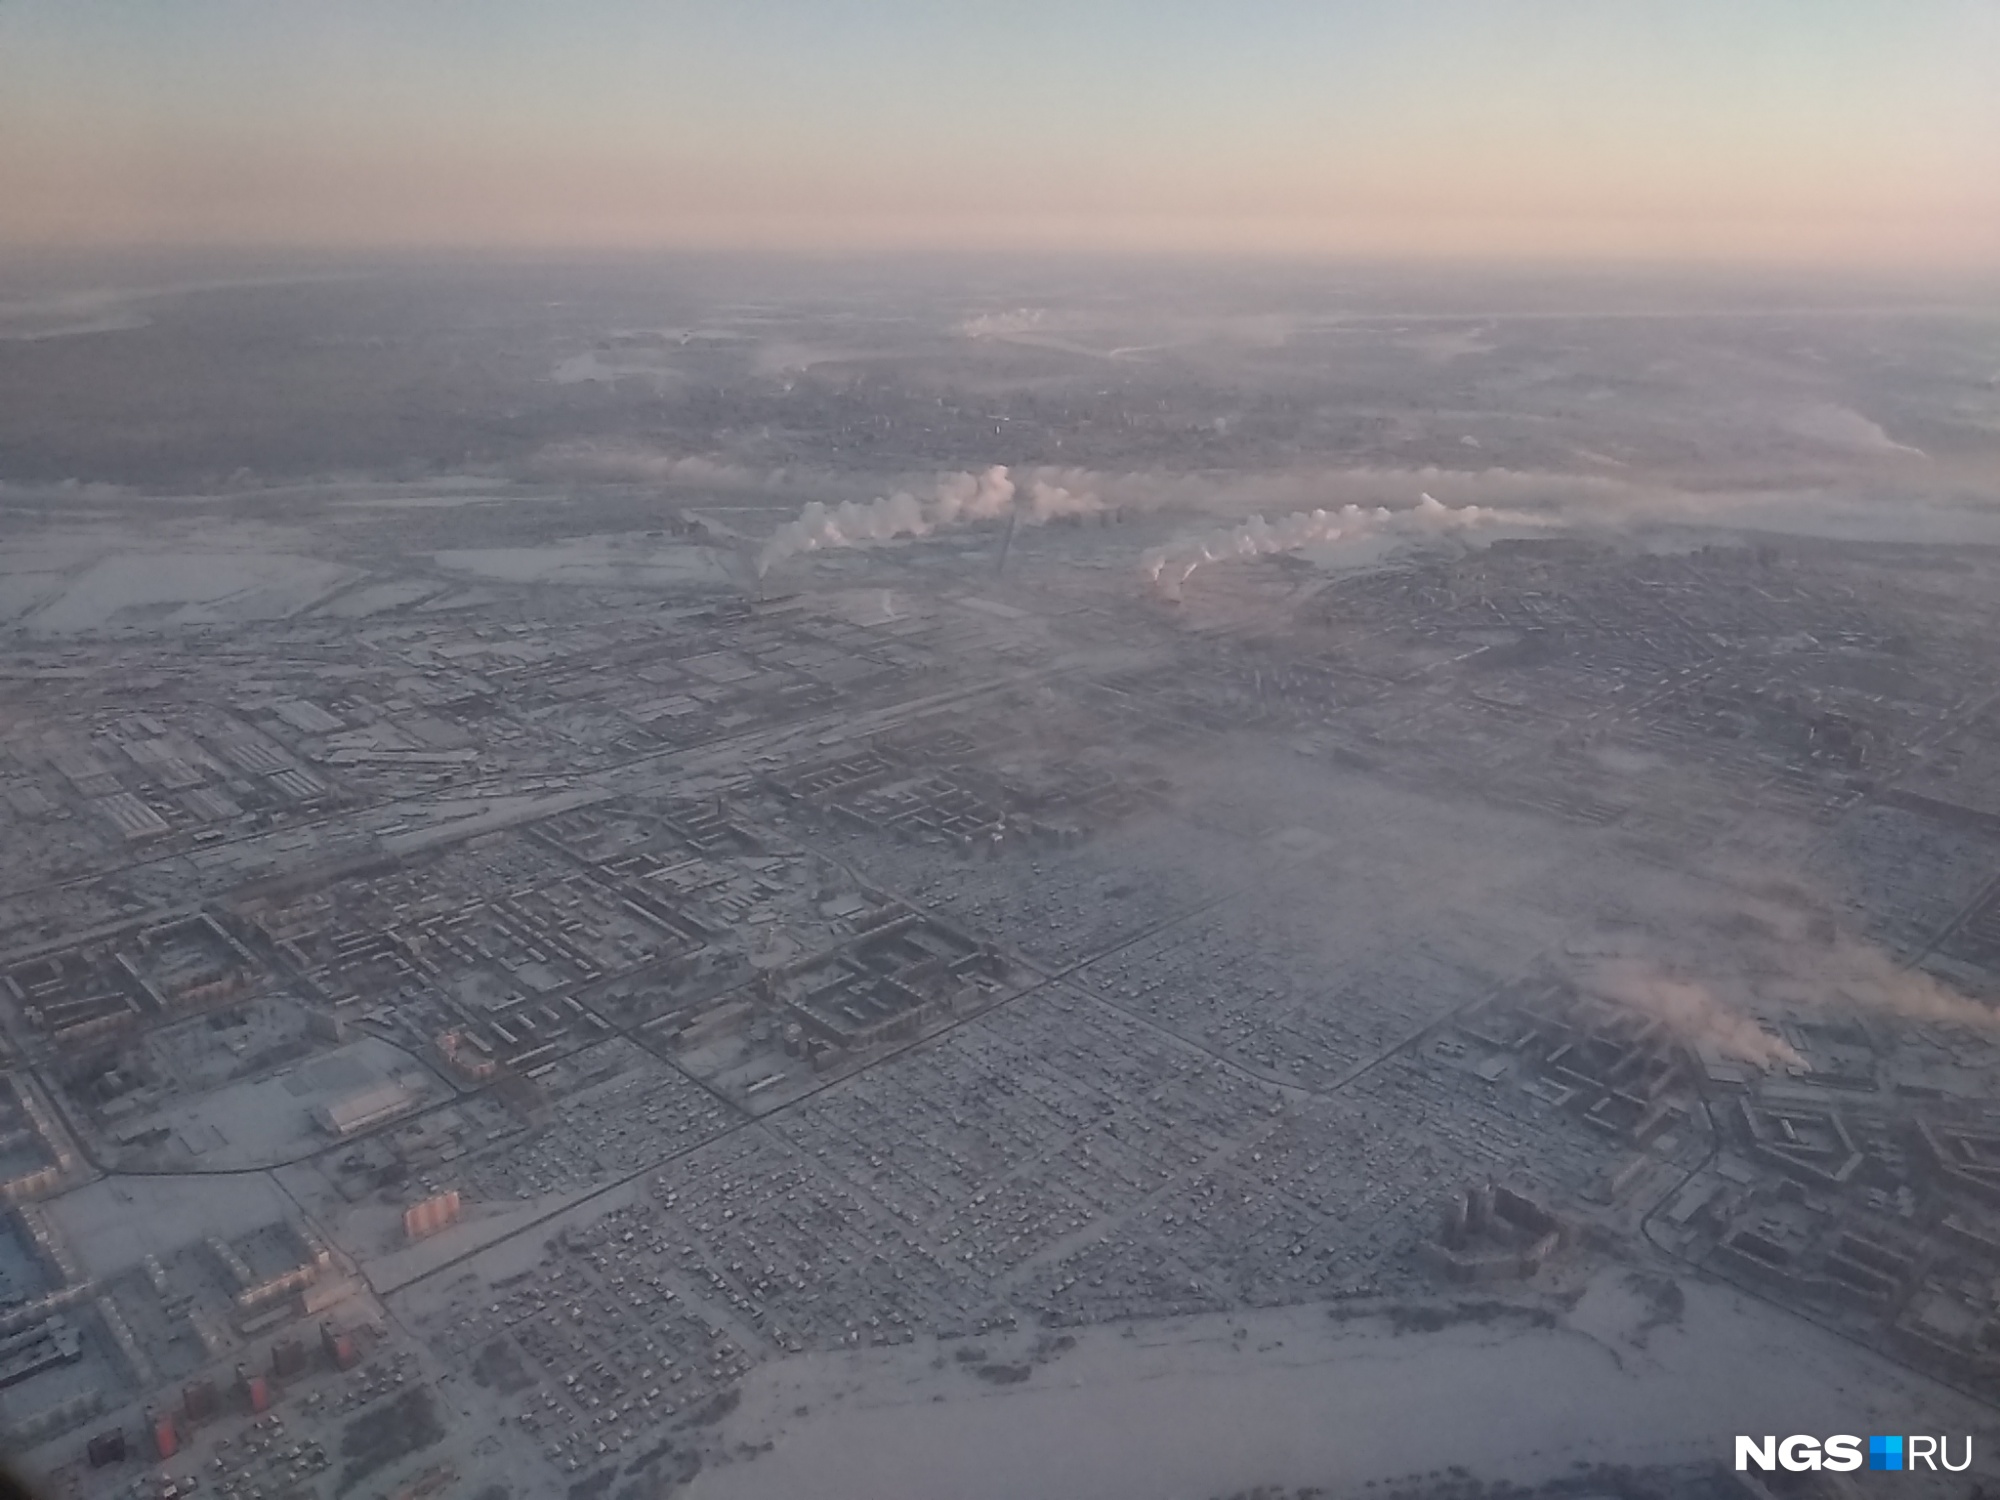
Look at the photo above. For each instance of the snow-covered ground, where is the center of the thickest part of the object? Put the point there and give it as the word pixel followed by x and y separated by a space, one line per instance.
pixel 633 561
pixel 1187 1409
pixel 168 589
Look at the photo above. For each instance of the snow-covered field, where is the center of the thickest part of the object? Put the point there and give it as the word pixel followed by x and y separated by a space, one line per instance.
pixel 174 589
pixel 630 560
pixel 1187 1410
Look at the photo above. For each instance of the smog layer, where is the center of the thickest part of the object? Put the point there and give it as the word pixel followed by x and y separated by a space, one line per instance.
pixel 706 879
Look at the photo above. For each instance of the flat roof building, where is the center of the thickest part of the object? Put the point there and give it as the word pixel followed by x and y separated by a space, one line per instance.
pixel 355 1112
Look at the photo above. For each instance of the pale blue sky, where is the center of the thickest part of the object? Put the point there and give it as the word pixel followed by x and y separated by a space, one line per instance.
pixel 1863 128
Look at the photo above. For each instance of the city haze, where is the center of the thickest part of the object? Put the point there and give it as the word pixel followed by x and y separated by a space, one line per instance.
pixel 1096 751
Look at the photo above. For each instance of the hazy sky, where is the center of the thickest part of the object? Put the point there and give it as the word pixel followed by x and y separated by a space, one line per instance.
pixel 1817 129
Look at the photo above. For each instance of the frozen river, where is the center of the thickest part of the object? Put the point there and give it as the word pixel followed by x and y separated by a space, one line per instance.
pixel 1190 1410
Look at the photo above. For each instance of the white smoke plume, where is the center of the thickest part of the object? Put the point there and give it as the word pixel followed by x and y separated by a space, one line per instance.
pixel 970 497
pixel 1694 1013
pixel 1948 505
pixel 1771 951
pixel 1048 502
pixel 957 499
pixel 1256 537
pixel 1850 972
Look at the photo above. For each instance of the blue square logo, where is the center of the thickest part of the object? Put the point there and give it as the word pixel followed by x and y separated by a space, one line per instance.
pixel 1885 1453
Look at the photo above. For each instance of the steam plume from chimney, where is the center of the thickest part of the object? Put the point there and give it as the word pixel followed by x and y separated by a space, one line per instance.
pixel 1256 537
pixel 957 499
